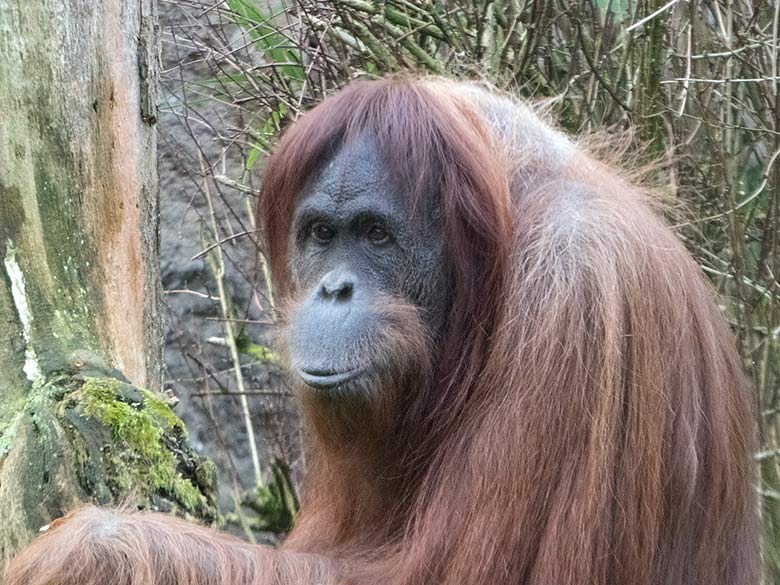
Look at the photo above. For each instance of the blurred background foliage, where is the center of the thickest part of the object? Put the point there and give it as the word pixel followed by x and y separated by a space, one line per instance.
pixel 694 83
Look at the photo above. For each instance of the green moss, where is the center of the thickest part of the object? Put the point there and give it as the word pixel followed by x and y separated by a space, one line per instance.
pixel 162 411
pixel 145 434
pixel 259 352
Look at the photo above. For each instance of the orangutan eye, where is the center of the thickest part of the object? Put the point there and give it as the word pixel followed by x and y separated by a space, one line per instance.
pixel 322 233
pixel 376 234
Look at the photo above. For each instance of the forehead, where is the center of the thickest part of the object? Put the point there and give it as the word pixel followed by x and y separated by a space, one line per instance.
pixel 357 170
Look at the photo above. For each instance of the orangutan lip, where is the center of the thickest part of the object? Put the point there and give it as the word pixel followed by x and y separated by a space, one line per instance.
pixel 322 379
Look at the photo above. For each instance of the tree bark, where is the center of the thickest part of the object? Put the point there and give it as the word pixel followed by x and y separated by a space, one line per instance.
pixel 79 288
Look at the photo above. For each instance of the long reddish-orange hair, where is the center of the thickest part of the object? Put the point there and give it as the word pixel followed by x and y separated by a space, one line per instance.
pixel 595 426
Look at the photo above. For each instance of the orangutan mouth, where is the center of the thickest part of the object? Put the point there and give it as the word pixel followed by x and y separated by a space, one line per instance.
pixel 322 379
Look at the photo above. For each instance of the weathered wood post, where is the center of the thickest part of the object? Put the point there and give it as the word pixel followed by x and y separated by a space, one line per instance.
pixel 80 343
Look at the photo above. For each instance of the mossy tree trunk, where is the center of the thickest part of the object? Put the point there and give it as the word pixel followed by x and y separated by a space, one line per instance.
pixel 79 299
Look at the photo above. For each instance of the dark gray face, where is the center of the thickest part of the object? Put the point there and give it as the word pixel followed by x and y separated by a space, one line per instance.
pixel 357 248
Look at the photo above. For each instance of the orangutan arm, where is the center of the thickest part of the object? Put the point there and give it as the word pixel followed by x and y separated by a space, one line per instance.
pixel 94 546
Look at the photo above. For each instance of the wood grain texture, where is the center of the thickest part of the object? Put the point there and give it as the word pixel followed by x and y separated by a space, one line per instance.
pixel 78 178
